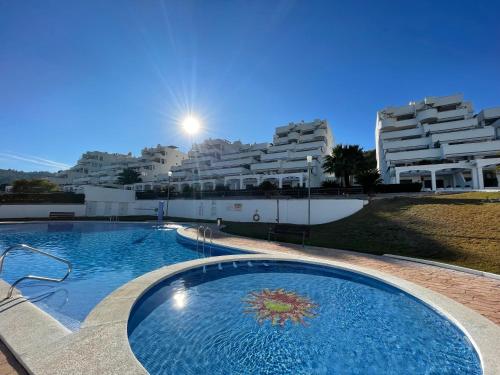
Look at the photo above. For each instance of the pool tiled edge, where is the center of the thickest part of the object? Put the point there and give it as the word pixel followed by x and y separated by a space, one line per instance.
pixel 101 346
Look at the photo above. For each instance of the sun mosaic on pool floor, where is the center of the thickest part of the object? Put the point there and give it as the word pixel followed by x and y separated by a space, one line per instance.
pixel 278 306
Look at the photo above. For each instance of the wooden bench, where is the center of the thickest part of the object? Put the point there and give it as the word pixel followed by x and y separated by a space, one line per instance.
pixel 300 230
pixel 61 215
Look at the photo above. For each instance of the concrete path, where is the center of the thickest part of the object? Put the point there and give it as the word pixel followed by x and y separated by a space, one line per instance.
pixel 476 292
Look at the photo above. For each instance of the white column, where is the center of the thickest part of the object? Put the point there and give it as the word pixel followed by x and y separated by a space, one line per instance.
pixel 475 183
pixel 480 178
pixel 301 180
pixel 498 178
pixel 433 180
pixel 280 182
pixel 397 176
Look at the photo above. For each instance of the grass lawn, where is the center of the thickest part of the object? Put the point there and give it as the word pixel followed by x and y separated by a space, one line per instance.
pixel 461 229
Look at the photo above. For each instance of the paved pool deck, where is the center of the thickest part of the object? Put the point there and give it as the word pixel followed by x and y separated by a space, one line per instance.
pixel 479 293
pixel 101 346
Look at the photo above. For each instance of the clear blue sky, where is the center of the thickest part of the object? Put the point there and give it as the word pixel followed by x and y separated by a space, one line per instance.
pixel 118 75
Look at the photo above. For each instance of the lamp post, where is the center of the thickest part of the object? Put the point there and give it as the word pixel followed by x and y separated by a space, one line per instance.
pixel 309 162
pixel 168 190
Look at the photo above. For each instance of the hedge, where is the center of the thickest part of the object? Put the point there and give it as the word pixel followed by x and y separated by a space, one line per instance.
pixel 413 187
pixel 42 198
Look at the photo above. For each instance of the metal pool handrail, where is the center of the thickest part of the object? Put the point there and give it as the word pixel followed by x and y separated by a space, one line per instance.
pixel 205 239
pixel 33 277
pixel 203 230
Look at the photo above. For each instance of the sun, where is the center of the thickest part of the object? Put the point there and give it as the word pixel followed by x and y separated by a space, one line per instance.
pixel 191 125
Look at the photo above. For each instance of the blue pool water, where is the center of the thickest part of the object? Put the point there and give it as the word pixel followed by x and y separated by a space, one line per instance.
pixel 104 257
pixel 208 323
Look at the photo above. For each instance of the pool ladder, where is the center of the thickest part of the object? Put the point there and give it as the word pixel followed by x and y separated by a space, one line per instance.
pixel 33 277
pixel 204 230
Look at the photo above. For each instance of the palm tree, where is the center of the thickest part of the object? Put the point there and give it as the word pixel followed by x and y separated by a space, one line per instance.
pixel 368 178
pixel 344 161
pixel 128 176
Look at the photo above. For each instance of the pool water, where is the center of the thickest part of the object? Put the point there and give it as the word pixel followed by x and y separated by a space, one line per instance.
pixel 291 318
pixel 104 256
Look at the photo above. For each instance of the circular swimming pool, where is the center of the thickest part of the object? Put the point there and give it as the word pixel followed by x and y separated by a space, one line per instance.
pixel 283 317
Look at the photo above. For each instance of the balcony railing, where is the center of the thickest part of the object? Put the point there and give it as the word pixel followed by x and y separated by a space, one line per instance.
pixel 475 148
pixel 433 153
pixel 471 134
pixel 407 143
pixel 450 125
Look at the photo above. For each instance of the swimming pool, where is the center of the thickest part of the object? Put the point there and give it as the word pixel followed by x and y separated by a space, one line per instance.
pixel 269 317
pixel 104 256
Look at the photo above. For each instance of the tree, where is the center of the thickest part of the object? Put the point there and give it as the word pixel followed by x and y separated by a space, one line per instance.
pixel 344 161
pixel 370 157
pixel 34 186
pixel 128 176
pixel 369 178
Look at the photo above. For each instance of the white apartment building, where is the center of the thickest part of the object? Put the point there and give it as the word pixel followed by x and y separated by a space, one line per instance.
pixel 441 142
pixel 154 164
pixel 102 168
pixel 240 166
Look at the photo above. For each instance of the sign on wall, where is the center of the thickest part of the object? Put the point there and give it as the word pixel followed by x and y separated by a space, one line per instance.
pixel 235 207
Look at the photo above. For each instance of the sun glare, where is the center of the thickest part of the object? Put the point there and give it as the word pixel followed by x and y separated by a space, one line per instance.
pixel 180 299
pixel 191 125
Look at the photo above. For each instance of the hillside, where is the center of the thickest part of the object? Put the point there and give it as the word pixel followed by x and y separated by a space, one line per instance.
pixel 7 176
pixel 460 229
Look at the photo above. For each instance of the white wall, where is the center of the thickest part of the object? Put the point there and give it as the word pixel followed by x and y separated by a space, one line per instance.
pixel 96 193
pixel 293 211
pixel 19 211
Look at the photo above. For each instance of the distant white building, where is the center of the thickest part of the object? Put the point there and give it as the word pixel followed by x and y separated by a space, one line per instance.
pixel 102 169
pixel 441 142
pixel 239 166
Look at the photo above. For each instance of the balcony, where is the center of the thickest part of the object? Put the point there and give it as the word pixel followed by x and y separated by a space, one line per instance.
pixel 451 125
pixel 299 164
pixel 283 129
pixel 308 137
pixel 427 115
pixel 233 162
pixel 490 113
pixel 432 153
pixel 280 148
pixel 472 134
pixel 384 135
pixel 309 145
pixel 391 123
pixel 475 148
pixel 265 166
pixel 455 114
pixel 293 136
pixel 401 111
pixel 223 172
pixel 438 101
pixel 275 156
pixel 406 144
pixel 316 153
pixel 306 127
pixel 238 155
pixel 179 174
